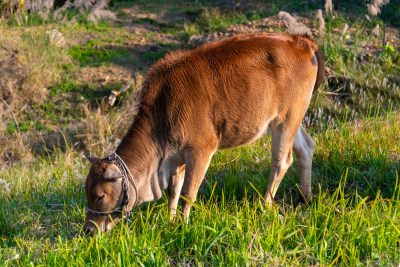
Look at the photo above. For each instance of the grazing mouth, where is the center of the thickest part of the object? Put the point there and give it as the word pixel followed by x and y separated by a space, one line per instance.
pixel 90 228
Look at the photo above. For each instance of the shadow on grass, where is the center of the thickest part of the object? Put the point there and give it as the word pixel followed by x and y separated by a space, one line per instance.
pixel 138 57
pixel 370 176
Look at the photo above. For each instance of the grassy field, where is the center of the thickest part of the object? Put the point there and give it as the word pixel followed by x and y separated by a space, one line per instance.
pixel 55 109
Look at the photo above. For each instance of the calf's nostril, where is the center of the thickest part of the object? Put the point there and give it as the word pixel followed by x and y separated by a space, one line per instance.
pixel 89 231
pixel 86 231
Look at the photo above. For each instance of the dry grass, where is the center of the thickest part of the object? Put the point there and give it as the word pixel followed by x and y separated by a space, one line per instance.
pixel 29 63
pixel 104 126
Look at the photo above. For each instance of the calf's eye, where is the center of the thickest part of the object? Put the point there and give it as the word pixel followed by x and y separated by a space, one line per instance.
pixel 100 198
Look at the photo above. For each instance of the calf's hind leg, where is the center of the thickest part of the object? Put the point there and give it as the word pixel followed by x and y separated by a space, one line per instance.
pixel 282 142
pixel 303 147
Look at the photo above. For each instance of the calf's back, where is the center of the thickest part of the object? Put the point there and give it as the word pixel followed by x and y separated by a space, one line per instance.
pixel 233 89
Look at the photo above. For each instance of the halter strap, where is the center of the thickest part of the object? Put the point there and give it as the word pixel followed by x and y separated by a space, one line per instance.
pixel 126 172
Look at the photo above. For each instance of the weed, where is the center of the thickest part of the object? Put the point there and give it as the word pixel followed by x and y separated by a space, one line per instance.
pixel 153 55
pixel 93 54
pixel 215 20
pixel 68 85
pixel 190 29
pixel 28 20
pixel 11 128
pixel 25 126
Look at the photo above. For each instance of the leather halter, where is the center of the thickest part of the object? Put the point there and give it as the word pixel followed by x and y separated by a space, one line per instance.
pixel 126 174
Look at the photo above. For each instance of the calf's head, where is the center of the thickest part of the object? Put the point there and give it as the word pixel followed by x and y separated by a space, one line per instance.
pixel 105 196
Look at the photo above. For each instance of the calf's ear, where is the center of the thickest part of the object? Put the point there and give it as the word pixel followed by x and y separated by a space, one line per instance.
pixel 112 172
pixel 91 159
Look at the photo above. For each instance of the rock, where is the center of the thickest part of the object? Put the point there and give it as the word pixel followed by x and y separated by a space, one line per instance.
pixel 56 38
pixel 196 39
pixel 376 30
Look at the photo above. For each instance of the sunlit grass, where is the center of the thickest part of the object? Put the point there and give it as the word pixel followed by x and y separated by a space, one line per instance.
pixel 353 218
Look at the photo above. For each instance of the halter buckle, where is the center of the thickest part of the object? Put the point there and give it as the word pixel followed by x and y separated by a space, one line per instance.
pixel 111 157
pixel 127 216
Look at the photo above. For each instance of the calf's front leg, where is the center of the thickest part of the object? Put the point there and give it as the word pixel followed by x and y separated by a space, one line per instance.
pixel 174 190
pixel 197 161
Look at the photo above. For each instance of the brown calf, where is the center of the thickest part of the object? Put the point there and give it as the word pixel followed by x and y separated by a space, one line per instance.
pixel 220 95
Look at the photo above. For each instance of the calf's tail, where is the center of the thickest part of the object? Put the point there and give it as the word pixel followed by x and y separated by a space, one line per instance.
pixel 321 68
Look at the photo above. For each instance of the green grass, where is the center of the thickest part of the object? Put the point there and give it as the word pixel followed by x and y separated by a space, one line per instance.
pixel 153 55
pixel 79 93
pixel 215 20
pixel 68 95
pixel 93 54
pixel 25 126
pixel 352 220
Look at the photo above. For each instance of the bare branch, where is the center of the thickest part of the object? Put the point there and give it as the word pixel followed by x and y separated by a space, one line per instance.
pixel 114 94
pixel 328 7
pixel 321 22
